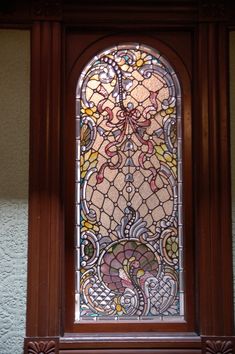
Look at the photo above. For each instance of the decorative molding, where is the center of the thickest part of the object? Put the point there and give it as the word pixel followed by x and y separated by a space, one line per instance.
pixel 211 10
pixel 218 345
pixel 41 345
pixel 223 347
pixel 47 9
pixel 45 208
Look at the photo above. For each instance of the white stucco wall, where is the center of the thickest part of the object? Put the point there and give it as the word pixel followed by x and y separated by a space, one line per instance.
pixel 14 151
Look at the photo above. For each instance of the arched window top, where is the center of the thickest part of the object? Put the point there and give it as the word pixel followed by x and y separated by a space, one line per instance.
pixel 130 56
pixel 129 187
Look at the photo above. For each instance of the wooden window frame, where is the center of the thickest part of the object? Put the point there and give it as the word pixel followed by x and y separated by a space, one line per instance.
pixel 209 23
pixel 84 47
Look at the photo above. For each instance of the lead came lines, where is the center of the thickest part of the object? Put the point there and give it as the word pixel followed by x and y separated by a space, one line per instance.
pixel 130 204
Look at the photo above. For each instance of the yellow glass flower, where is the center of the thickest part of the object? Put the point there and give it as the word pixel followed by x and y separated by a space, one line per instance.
pixel 167 112
pixel 118 307
pixel 88 160
pixel 86 225
pixel 90 111
pixel 142 59
pixel 165 156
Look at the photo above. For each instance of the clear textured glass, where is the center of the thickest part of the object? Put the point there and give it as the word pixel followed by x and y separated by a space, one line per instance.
pixel 129 188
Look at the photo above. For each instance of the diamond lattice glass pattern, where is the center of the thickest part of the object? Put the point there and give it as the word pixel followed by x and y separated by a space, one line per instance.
pixel 129 188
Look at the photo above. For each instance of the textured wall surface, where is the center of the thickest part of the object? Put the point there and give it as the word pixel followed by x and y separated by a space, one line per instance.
pixel 232 127
pixel 14 146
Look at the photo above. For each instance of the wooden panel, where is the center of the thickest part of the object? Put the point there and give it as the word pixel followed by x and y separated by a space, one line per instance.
pixel 212 186
pixel 225 185
pixel 126 14
pixel 44 267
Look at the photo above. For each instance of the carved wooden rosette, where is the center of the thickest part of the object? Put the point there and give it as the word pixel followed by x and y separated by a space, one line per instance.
pixel 218 345
pixel 41 346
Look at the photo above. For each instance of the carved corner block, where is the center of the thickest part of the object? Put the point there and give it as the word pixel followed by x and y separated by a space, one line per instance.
pixel 218 345
pixel 47 345
pixel 212 10
pixel 47 9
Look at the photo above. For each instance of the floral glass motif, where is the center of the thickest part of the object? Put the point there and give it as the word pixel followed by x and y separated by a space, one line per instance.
pixel 129 188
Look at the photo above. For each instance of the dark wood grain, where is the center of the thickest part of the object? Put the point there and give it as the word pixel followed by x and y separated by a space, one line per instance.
pixel 44 267
pixel 213 227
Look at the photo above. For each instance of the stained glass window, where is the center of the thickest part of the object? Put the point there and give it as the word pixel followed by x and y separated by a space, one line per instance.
pixel 129 259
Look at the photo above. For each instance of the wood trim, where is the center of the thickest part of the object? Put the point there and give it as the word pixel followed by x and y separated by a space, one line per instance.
pixel 49 10
pixel 52 345
pixel 131 341
pixel 216 10
pixel 147 14
pixel 44 266
pixel 133 351
pixel 225 192
pixel 213 183
pixel 72 12
pixel 165 13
